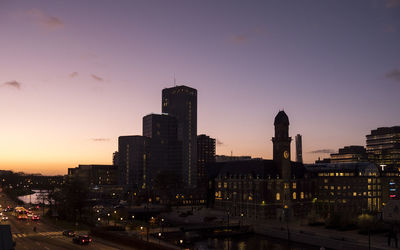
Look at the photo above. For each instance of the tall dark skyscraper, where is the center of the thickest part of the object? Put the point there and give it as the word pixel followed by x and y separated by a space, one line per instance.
pixel 383 146
pixel 133 162
pixel 281 145
pixel 205 154
pixel 181 102
pixel 165 149
pixel 299 148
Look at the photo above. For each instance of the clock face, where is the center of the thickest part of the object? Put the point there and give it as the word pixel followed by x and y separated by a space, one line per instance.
pixel 286 154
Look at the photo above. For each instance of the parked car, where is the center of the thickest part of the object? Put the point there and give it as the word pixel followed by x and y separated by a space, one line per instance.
pixel 4 218
pixel 35 217
pixel 69 233
pixel 82 239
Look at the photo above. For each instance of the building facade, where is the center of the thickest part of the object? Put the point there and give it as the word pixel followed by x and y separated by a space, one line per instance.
pixel 181 103
pixel 165 149
pixel 205 154
pixel 133 162
pixel 350 154
pixel 383 146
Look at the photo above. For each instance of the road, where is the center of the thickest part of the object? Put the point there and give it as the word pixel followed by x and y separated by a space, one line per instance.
pixel 47 235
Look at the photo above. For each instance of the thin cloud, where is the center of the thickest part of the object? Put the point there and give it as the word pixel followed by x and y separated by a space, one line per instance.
pixel 240 38
pixel 393 75
pixel 323 151
pixel 97 78
pixel 73 74
pixel 13 84
pixel 100 139
pixel 45 20
pixel 219 143
pixel 392 4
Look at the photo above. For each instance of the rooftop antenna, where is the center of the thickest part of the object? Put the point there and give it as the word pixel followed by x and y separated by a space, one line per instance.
pixel 174 80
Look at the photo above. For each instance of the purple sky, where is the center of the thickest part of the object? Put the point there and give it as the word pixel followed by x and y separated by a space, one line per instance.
pixel 75 75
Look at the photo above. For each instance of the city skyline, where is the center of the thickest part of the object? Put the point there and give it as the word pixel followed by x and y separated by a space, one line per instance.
pixel 74 77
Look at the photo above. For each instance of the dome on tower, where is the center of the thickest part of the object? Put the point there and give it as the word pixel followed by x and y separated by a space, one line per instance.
pixel 281 118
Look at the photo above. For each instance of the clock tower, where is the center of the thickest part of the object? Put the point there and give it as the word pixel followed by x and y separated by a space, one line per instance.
pixel 281 143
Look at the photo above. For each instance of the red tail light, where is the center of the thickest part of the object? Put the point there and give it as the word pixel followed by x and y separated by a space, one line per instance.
pixel 83 241
pixel 90 240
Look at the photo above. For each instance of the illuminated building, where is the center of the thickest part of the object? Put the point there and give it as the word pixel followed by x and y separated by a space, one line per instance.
pixel 181 103
pixel 299 148
pixel 352 187
pixel 133 161
pixel 383 146
pixel 350 154
pixel 205 154
pixel 264 189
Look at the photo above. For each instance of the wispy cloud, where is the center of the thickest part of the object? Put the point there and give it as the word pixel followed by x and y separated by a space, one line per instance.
pixel 13 84
pixel 219 143
pixel 392 3
pixel 97 78
pixel 242 38
pixel 393 75
pixel 45 20
pixel 73 74
pixel 323 151
pixel 100 139
pixel 247 36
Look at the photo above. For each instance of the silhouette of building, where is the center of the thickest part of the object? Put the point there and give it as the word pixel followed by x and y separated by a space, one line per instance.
pixel 165 149
pixel 205 154
pixel 383 146
pixel 133 163
pixel 299 148
pixel 95 175
pixel 350 154
pixel 181 102
pixel 281 144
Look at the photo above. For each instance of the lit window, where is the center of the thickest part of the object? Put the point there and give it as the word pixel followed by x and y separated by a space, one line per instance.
pixel 294 185
pixel 302 195
pixel 294 196
pixel 278 196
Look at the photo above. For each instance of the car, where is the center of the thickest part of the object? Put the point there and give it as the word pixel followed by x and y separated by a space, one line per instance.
pixel 22 217
pixel 4 218
pixel 69 233
pixel 82 239
pixel 35 217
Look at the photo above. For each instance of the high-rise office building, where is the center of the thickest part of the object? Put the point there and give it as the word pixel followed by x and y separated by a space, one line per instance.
pixel 181 102
pixel 383 146
pixel 205 154
pixel 133 162
pixel 299 148
pixel 165 149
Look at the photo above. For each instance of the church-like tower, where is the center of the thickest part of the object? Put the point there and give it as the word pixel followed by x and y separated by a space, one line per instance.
pixel 281 143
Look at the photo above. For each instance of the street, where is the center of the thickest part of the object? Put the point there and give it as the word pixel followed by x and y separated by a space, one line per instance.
pixel 47 235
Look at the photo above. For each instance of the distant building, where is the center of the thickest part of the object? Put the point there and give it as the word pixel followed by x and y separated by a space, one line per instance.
pixel 95 175
pixel 165 149
pixel 181 102
pixel 383 146
pixel 226 158
pixel 205 154
pixel 325 160
pixel 299 148
pixel 133 162
pixel 350 154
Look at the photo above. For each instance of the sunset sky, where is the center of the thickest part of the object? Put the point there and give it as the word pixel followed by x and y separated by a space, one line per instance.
pixel 75 75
